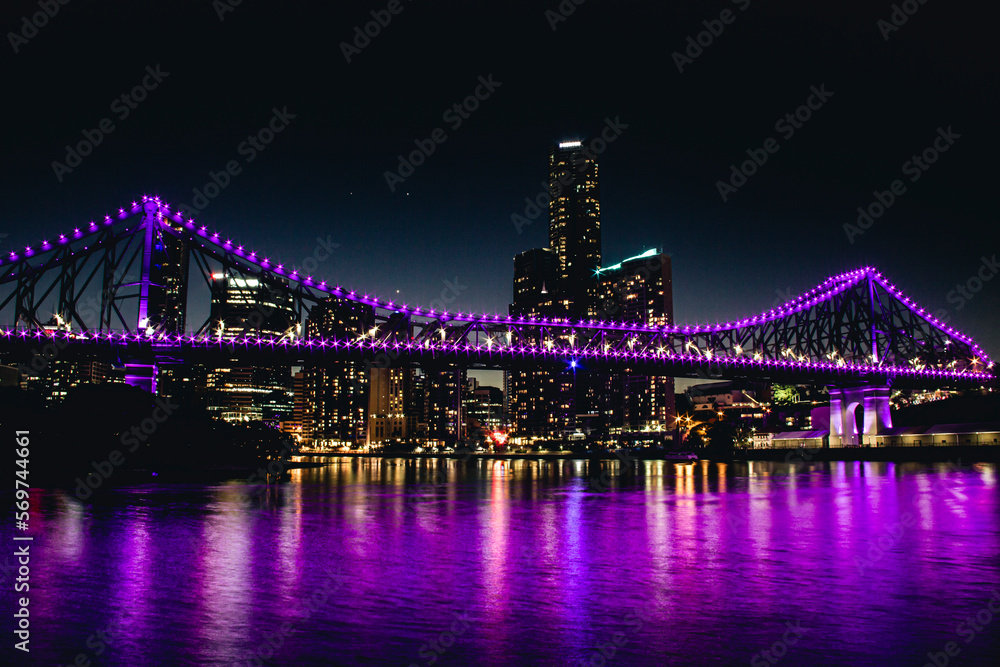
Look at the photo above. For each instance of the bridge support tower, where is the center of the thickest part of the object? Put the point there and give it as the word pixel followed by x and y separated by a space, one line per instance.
pixel 858 414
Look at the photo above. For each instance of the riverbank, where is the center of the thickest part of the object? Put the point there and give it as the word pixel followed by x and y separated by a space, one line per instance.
pixel 971 454
pixel 896 454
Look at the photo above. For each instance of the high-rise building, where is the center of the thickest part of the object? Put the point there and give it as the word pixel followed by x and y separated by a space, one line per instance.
pixel 442 403
pixel 60 375
pixel 241 305
pixel 556 403
pixel 640 289
pixel 482 406
pixel 236 392
pixel 389 396
pixel 168 274
pixel 250 393
pixel 535 282
pixel 332 398
pixel 575 225
pixel 541 403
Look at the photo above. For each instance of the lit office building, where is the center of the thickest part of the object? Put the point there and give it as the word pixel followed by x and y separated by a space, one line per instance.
pixel 241 305
pixel 483 407
pixel 168 274
pixel 640 289
pixel 442 404
pixel 237 392
pixel 561 281
pixel 250 393
pixel 388 399
pixel 332 399
pixel 575 226
pixel 535 280
pixel 59 376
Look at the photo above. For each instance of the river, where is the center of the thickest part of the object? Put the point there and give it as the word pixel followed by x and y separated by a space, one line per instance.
pixel 449 562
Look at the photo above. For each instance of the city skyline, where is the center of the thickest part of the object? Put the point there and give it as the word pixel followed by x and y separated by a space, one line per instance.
pixel 321 180
pixel 448 333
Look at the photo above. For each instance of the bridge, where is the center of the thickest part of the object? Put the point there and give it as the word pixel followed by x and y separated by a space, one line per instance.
pixel 100 291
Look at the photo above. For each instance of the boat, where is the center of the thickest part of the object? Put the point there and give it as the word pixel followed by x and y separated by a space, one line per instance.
pixel 680 456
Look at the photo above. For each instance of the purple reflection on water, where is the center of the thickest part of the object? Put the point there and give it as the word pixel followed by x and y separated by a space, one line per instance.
pixel 524 562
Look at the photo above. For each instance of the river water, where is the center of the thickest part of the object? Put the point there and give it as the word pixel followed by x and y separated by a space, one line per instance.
pixel 447 562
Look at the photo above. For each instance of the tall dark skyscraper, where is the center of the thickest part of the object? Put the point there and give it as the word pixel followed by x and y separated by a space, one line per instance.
pixel 168 275
pixel 561 281
pixel 567 280
pixel 535 281
pixel 575 225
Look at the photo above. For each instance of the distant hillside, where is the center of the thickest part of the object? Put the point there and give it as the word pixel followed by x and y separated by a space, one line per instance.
pixel 958 410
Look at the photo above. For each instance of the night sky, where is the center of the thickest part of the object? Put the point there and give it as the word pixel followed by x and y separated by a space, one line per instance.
pixel 323 175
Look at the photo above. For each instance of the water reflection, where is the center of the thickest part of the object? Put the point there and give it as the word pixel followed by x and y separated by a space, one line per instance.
pixel 544 560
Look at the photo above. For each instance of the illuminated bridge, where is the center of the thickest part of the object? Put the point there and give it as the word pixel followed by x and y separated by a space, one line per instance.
pixel 96 291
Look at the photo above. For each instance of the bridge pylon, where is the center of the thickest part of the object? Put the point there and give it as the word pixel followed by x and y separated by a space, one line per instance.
pixel 858 414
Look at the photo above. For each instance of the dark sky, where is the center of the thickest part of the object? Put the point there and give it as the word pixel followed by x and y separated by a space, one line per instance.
pixel 323 175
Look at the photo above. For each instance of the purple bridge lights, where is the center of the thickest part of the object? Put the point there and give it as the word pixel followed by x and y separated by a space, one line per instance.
pixel 117 289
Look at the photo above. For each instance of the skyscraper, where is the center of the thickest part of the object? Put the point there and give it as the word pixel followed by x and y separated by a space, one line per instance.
pixel 442 409
pixel 333 407
pixel 235 391
pixel 540 402
pixel 561 281
pixel 388 397
pixel 168 274
pixel 575 225
pixel 535 280
pixel 241 305
pixel 640 289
